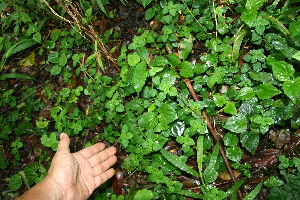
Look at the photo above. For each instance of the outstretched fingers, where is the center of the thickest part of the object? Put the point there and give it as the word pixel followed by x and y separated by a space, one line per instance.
pixel 92 150
pixel 102 156
pixel 103 166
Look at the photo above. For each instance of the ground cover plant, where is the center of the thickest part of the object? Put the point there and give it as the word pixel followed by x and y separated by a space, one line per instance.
pixel 200 97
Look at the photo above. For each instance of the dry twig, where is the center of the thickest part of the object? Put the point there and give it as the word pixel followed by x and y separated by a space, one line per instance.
pixel 84 30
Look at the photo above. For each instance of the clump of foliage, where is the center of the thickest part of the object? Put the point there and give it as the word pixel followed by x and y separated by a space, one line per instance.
pixel 240 58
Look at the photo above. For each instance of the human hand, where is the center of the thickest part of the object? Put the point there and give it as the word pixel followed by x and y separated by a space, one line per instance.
pixel 79 174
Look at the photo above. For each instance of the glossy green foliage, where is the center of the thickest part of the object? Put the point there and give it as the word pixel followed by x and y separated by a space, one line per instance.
pixel 241 57
pixel 178 163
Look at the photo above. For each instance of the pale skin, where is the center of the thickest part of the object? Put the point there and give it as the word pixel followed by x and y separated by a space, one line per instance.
pixel 74 175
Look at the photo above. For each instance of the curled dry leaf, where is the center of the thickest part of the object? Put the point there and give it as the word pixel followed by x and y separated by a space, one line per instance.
pixel 226 177
pixel 279 137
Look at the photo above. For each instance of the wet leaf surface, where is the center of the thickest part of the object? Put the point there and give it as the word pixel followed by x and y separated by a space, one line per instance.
pixel 263 159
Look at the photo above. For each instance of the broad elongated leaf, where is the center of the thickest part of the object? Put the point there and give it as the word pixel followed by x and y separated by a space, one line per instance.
pixel 200 155
pixel 139 76
pixel 234 187
pixel 254 192
pixel 178 163
pixel 278 25
pixel 101 6
pixel 238 38
pixel 15 75
pixel 210 173
pixel 20 46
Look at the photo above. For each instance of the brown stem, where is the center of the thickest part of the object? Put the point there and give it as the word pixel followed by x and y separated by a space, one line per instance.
pixel 215 136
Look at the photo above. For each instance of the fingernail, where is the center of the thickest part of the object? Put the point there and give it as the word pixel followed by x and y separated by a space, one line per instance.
pixel 61 136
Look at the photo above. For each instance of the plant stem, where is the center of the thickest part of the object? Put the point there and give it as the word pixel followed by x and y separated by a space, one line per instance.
pixel 215 136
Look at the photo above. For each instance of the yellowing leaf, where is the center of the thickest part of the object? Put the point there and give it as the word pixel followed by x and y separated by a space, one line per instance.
pixel 29 60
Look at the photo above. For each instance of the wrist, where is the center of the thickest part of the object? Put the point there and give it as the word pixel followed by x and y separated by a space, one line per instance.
pixel 52 185
pixel 47 189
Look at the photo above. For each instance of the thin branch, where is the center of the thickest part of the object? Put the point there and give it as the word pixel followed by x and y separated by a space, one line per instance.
pixel 215 136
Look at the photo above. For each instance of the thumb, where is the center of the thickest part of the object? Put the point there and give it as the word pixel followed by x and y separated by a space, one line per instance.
pixel 64 142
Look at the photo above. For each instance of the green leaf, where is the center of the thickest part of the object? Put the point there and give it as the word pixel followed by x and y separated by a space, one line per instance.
pixel 177 129
pixel 236 124
pixel 101 6
pixel 254 5
pixel 249 17
pixel 250 140
pixel 53 57
pixel 273 182
pixel 230 108
pixel 253 193
pixel 50 141
pixel 190 194
pixel 133 59
pixel 245 93
pixel 297 55
pixel 140 75
pixel 15 182
pixel 146 2
pixel 178 162
pixel 292 89
pixel 281 69
pixel 238 39
pixel 186 69
pixel 173 59
pixel 55 70
pixel 210 173
pixel 168 81
pixel 168 113
pixel 15 76
pixel 148 120
pixel 31 173
pixel 261 76
pixel 266 91
pixel 234 188
pixel 19 46
pixel 294 29
pixel 143 194
pixel 219 100
pixel 200 155
pixel 62 61
pixel 230 140
pixel 279 26
pixel 186 46
pixel 234 153
pixel 37 37
pixel 217 77
pixel 159 61
pixel 149 14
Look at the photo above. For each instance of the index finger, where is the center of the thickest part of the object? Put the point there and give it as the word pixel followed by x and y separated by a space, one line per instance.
pixel 92 150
